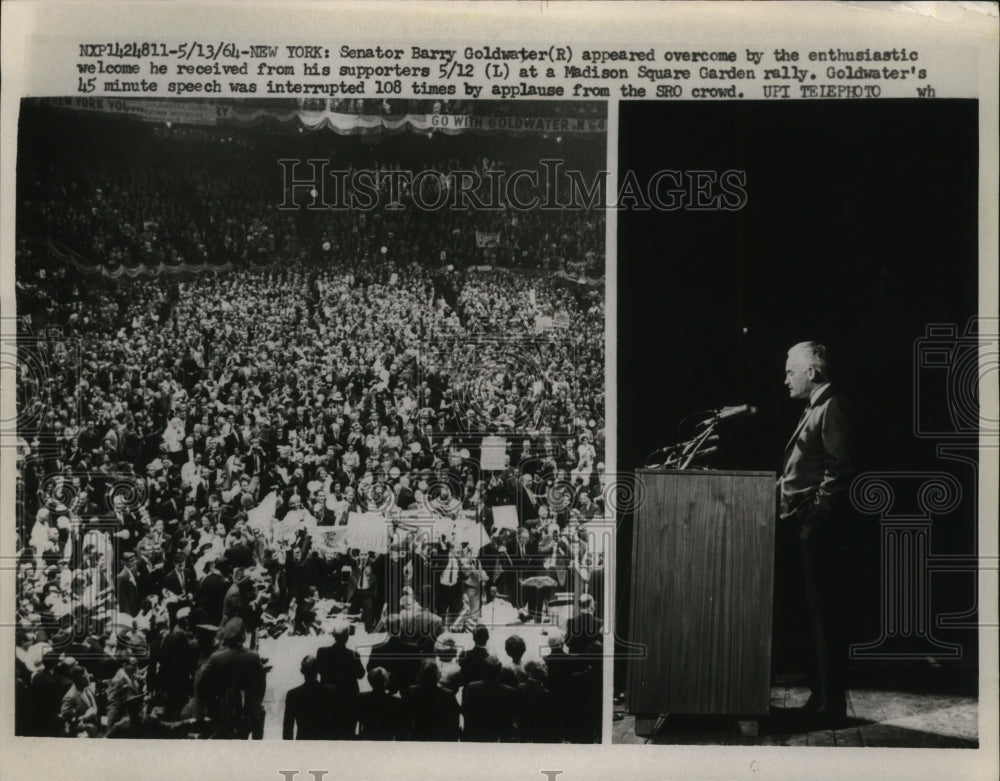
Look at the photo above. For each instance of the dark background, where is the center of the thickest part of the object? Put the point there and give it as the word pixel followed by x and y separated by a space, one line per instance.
pixel 859 231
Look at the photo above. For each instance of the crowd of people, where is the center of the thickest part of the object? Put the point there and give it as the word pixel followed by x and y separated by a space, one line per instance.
pixel 196 196
pixel 423 686
pixel 196 457
pixel 167 201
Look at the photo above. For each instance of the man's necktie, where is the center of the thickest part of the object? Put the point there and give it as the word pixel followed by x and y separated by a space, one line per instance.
pixel 450 575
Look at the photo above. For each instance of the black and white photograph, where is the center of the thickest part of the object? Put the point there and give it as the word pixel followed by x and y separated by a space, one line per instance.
pixel 522 390
pixel 311 420
pixel 797 562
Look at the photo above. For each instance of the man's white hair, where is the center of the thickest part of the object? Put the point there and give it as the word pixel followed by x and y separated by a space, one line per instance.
pixel 813 353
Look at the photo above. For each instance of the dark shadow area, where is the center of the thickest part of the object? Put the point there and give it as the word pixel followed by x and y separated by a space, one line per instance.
pixel 860 231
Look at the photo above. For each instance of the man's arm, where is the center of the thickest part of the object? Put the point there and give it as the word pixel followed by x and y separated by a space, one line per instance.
pixel 838 466
pixel 838 469
pixel 287 730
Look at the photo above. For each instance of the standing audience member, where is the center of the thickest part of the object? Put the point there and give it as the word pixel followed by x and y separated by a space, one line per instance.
pixel 310 708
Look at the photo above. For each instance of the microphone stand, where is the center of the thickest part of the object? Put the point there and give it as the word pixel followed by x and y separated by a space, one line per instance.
pixel 691 451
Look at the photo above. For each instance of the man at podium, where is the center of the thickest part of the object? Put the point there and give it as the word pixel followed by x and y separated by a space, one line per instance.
pixel 812 519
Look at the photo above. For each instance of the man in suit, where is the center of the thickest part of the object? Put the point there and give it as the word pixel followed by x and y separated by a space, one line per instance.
pixel 497 562
pixel 560 665
pixel 79 709
pixel 127 586
pixel 129 526
pixel 381 716
pixel 212 593
pixel 45 694
pixel 124 684
pixel 365 588
pixel 243 600
pixel 310 707
pixel 181 580
pixel 583 630
pixel 473 661
pixel 523 550
pixel 176 663
pixel 419 625
pixel 487 706
pixel 812 499
pixel 171 507
pixel 535 709
pixel 432 711
pixel 232 686
pixel 398 657
pixel 583 704
pixel 340 667
pixel 527 501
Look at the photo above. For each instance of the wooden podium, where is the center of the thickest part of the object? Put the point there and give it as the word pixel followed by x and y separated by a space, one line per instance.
pixel 702 580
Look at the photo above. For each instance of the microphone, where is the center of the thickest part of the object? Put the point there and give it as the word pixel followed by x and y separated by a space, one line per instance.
pixel 668 449
pixel 679 446
pixel 729 412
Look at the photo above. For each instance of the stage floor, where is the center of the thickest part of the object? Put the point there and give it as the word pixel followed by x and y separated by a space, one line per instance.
pixel 915 708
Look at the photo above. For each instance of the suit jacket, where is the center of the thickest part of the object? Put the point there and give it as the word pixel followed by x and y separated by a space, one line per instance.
pixel 527 562
pixel 232 603
pixel 583 633
pixel 232 686
pixel 127 589
pixel 398 658
pixel 420 626
pixel 561 666
pixel 527 505
pixel 433 713
pixel 168 510
pixel 583 706
pixel 818 464
pixel 172 582
pixel 212 593
pixel 45 698
pixel 311 708
pixel 119 689
pixel 76 704
pixel 380 716
pixel 150 580
pixel 341 667
pixel 372 570
pixel 130 522
pixel 177 660
pixel 537 713
pixel 495 560
pixel 488 709
pixel 473 664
